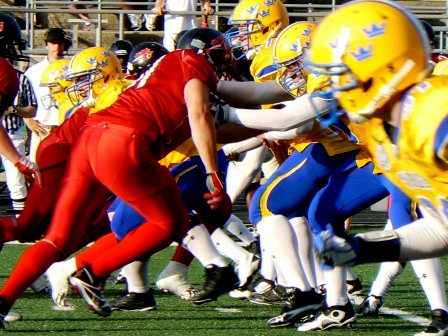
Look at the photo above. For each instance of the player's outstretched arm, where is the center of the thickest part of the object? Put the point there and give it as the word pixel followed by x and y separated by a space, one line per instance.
pixel 252 92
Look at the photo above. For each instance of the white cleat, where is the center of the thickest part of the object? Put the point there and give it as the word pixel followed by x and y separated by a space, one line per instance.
pixel 13 317
pixel 173 279
pixel 246 268
pixel 60 288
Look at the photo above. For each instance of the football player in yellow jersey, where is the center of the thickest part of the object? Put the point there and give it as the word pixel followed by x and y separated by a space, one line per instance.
pixel 52 77
pixel 408 122
pixel 378 191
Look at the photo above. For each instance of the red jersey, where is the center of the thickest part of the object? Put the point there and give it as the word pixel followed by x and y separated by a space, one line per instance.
pixel 155 104
pixel 9 82
pixel 69 130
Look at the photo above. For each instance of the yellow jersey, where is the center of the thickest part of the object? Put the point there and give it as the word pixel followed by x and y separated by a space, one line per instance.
pixel 417 160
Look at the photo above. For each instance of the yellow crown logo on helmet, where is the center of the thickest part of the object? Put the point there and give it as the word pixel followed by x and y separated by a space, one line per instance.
pixel 263 19
pixel 288 56
pixel 92 69
pixel 371 49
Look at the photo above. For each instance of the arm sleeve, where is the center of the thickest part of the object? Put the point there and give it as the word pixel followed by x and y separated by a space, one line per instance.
pixel 295 113
pixel 290 134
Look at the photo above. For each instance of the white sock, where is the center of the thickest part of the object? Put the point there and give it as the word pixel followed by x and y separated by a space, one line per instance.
pixel 320 276
pixel 227 246
pixel 199 243
pixel 236 227
pixel 305 241
pixel 282 243
pixel 267 268
pixel 386 275
pixel 351 274
pixel 69 266
pixel 429 273
pixel 336 285
pixel 137 276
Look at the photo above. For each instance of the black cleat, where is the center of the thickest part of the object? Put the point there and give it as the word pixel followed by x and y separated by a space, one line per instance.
pixel 299 307
pixel 90 289
pixel 354 287
pixel 218 281
pixel 135 302
pixel 438 324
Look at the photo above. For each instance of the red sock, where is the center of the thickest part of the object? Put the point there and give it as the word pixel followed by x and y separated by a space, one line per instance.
pixel 139 244
pixel 86 256
pixel 32 264
pixel 182 256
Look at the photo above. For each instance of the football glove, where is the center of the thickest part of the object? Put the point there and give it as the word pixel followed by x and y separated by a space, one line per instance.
pixel 29 169
pixel 217 195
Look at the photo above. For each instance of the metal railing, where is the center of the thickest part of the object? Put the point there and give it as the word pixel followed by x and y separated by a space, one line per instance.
pixel 305 11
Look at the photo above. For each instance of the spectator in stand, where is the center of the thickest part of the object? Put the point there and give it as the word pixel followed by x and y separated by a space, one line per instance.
pixel 88 24
pixel 175 23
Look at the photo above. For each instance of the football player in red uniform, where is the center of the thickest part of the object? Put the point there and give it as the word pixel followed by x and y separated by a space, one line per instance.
pixel 117 153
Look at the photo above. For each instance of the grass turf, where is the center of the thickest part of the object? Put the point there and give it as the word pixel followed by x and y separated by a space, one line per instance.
pixel 176 317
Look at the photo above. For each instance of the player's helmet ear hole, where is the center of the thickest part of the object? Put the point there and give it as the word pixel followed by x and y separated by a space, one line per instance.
pixel 367 84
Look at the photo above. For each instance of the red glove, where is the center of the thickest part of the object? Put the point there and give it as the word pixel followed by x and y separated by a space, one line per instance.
pixel 29 169
pixel 217 193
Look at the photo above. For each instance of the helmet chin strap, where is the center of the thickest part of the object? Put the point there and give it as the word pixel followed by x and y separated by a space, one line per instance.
pixel 388 89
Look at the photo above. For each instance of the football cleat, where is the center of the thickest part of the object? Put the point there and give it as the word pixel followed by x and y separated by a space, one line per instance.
pixel 241 293
pixel 299 306
pixel 117 279
pixel 438 326
pixel 354 287
pixel 246 268
pixel 4 310
pixel 135 302
pixel 173 279
pixel 370 306
pixel 60 289
pixel 331 317
pixel 90 289
pixel 13 317
pixel 273 295
pixel 218 281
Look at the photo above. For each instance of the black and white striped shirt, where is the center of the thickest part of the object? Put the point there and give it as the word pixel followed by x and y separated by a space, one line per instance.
pixel 25 97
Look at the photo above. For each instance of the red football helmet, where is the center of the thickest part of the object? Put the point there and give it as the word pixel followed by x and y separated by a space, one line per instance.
pixel 439 56
pixel 11 41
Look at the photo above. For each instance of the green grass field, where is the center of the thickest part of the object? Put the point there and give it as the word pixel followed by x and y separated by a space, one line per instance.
pixel 176 317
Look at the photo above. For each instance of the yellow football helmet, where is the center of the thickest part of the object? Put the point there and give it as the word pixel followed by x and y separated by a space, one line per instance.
pixel 91 70
pixel 53 77
pixel 258 21
pixel 371 50
pixel 288 56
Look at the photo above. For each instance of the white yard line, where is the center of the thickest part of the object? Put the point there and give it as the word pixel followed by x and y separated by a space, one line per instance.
pixel 404 315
